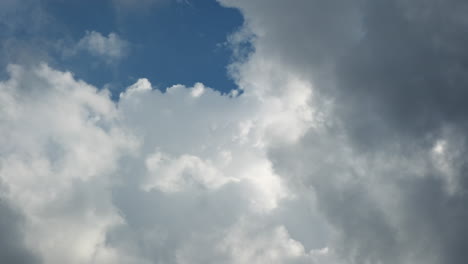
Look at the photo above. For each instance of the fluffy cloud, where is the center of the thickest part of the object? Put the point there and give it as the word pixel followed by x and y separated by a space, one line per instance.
pixel 58 143
pixel 346 145
pixel 145 179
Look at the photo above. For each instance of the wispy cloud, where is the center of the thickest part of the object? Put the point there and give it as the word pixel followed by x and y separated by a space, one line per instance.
pixel 110 48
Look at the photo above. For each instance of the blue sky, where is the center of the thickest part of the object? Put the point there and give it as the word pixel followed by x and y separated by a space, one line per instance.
pixel 169 42
pixel 173 43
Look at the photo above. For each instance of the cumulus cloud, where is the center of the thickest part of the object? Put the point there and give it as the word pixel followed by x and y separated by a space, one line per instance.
pixel 346 145
pixel 145 179
pixel 110 48
pixel 58 143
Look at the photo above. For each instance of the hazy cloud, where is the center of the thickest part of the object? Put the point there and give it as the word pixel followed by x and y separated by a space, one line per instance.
pixel 110 48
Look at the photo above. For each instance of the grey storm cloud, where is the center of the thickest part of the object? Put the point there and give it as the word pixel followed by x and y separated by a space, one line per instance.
pixel 409 68
pixel 389 170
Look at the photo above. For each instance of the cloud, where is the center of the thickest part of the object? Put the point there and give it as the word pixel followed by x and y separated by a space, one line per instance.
pixel 12 247
pixel 22 38
pixel 109 48
pixel 388 80
pixel 58 143
pixel 346 145
pixel 144 179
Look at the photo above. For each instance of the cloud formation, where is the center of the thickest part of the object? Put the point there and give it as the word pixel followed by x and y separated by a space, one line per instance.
pixel 346 145
pixel 109 48
pixel 144 179
pixel 388 167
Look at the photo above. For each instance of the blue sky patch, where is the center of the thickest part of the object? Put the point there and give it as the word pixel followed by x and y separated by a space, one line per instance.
pixel 168 42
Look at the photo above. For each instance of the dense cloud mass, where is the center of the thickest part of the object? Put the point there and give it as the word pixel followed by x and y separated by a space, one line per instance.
pixel 344 143
pixel 143 180
pixel 388 169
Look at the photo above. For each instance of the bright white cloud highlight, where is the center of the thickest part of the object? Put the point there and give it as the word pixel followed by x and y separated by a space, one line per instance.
pixel 71 159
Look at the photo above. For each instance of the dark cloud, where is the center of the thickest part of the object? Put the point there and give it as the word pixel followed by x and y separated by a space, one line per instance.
pixel 387 207
pixel 407 73
pixel 404 84
pixel 389 167
pixel 12 248
pixel 401 62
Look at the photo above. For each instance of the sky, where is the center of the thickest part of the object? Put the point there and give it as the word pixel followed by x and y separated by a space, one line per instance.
pixel 170 42
pixel 233 131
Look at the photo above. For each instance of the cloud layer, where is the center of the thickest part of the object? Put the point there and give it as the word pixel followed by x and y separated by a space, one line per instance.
pixel 345 143
pixel 388 167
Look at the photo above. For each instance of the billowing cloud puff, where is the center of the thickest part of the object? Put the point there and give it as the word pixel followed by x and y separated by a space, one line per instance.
pixel 144 179
pixel 59 142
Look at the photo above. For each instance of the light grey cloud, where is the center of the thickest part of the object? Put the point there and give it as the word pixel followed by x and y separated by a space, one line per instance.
pixel 110 48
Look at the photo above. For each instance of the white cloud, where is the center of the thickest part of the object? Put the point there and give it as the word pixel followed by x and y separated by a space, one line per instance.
pixel 110 48
pixel 71 161
pixel 170 174
pixel 59 147
pixel 182 176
